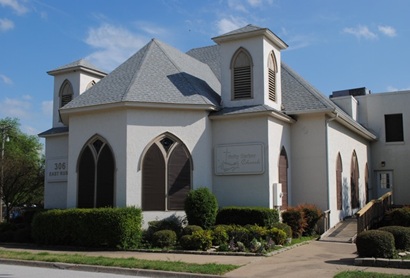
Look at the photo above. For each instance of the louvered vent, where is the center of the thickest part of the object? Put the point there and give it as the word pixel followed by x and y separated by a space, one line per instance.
pixel 242 82
pixel 66 99
pixel 272 85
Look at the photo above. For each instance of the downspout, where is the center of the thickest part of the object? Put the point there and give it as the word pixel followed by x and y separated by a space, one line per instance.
pixel 335 115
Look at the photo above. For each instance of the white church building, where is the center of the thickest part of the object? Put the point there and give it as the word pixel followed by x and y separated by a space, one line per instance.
pixel 231 117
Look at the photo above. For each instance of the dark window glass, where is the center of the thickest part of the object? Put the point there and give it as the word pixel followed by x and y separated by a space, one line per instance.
pixel 394 127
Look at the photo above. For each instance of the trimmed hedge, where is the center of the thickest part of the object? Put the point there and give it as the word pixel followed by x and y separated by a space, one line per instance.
pixel 398 217
pixel 164 238
pixel 201 207
pixel 312 214
pixel 102 227
pixel 247 216
pixel 401 236
pixel 376 244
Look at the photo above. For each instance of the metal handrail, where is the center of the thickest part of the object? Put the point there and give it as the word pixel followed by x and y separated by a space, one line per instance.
pixel 373 212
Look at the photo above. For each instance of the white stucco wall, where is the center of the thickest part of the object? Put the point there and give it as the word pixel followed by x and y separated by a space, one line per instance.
pixel 55 193
pixel 344 141
pixel 248 189
pixel 396 155
pixel 309 182
pixel 129 132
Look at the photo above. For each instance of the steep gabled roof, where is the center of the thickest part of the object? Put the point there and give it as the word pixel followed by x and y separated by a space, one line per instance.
pixel 158 73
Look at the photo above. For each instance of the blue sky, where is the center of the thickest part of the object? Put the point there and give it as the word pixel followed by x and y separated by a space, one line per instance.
pixel 333 44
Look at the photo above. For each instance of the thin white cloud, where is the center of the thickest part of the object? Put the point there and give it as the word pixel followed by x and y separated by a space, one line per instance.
pixel 395 89
pixel 16 108
pixel 255 3
pixel 150 28
pixel 47 108
pixel 237 5
pixel 6 24
pixel 360 32
pixel 6 79
pixel 15 5
pixel 229 24
pixel 114 45
pixel 298 41
pixel 387 30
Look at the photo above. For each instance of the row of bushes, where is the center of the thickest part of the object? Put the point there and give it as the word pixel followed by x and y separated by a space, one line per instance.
pixel 387 240
pixel 251 238
pixel 105 227
pixel 302 219
pixel 383 242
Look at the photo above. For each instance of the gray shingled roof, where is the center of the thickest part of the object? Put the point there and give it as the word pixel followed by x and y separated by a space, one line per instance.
pixel 79 63
pixel 297 94
pixel 54 131
pixel 158 73
pixel 248 28
pixel 243 109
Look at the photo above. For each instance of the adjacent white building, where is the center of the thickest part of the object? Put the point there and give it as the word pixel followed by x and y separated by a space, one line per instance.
pixel 231 117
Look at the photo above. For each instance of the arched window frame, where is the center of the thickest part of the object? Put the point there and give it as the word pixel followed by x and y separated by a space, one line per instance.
pixel 339 182
pixel 354 181
pixel 242 75
pixel 283 174
pixel 96 149
pixel 90 84
pixel 272 72
pixel 66 93
pixel 167 153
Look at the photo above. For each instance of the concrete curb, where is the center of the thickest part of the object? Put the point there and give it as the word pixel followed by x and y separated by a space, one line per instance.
pixel 378 262
pixel 106 269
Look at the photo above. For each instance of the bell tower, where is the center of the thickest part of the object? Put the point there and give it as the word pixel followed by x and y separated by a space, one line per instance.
pixel 70 81
pixel 250 66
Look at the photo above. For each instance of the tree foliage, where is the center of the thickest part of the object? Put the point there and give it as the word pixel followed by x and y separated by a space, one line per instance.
pixel 22 167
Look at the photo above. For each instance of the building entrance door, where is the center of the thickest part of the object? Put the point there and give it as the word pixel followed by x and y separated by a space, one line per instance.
pixel 384 182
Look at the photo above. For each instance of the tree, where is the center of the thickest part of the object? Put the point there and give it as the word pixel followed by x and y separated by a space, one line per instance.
pixel 22 167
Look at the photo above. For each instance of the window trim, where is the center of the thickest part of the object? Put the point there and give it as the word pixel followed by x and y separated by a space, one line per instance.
pixel 272 74
pixel 66 83
pixel 238 52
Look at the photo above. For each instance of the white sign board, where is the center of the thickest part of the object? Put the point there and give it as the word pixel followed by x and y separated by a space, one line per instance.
pixel 57 169
pixel 239 159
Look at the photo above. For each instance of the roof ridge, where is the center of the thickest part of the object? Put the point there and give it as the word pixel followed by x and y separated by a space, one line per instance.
pixel 180 70
pixel 138 71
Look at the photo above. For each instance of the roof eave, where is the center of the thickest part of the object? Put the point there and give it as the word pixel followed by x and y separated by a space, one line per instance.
pixel 265 31
pixel 354 126
pixel 65 112
pixel 77 68
pixel 273 114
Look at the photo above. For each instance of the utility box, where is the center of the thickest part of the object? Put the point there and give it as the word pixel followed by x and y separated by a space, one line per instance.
pixel 277 194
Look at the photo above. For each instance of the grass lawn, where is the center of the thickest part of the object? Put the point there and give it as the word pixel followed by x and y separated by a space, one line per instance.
pixel 212 268
pixel 361 274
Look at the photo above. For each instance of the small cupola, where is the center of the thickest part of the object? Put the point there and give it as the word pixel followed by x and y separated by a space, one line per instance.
pixel 70 81
pixel 250 67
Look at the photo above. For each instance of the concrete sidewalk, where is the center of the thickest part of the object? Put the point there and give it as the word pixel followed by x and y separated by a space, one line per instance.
pixel 317 258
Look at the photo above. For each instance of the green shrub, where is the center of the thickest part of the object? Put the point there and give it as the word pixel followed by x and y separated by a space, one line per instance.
pixel 103 227
pixel 7 231
pixel 186 242
pixel 172 223
pixel 164 239
pixel 398 217
pixel 220 235
pixel 257 232
pixel 312 215
pixel 201 207
pixel 401 236
pixel 247 216
pixel 295 219
pixel 201 240
pixel 284 227
pixel 238 233
pixel 375 243
pixel 277 235
pixel 190 229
